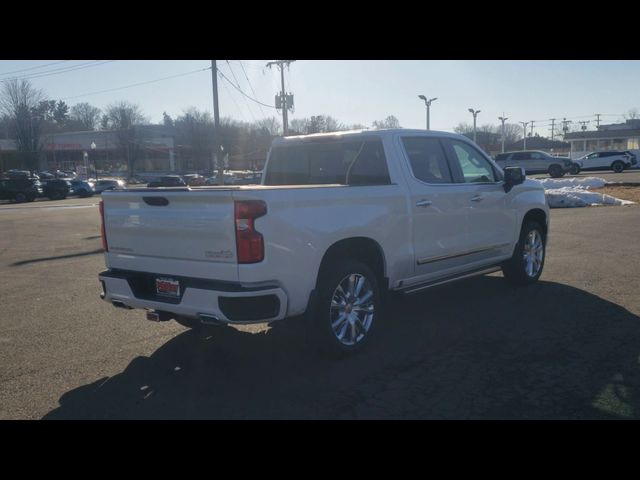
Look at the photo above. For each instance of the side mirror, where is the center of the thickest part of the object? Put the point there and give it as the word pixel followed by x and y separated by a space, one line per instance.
pixel 513 176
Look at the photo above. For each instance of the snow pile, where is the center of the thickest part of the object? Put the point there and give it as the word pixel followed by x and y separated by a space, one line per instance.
pixel 580 197
pixel 574 192
pixel 584 182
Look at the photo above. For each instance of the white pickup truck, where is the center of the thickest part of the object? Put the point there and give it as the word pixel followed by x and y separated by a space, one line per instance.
pixel 338 221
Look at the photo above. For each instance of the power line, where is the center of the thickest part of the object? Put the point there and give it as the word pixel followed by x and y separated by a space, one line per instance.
pixel 137 84
pixel 59 70
pixel 32 68
pixel 231 96
pixel 240 90
pixel 251 86
pixel 243 98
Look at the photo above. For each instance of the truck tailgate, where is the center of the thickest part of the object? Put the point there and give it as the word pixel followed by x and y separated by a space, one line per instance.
pixel 181 232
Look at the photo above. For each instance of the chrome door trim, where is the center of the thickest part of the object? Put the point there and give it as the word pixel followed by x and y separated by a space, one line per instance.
pixel 422 261
pixel 473 273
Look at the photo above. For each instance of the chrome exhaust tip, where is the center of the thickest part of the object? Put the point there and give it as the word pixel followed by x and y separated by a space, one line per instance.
pixel 208 319
pixel 119 304
pixel 156 316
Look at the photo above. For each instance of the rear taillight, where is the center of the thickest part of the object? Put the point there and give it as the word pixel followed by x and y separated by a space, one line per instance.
pixel 249 242
pixel 103 234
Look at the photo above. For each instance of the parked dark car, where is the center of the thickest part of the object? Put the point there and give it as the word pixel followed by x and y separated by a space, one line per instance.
pixel 20 189
pixel 21 174
pixel 168 181
pixel 56 189
pixel 255 179
pixel 102 185
pixel 534 161
pixel 193 179
pixel 82 188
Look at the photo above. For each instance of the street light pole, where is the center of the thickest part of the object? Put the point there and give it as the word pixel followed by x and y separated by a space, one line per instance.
pixel 524 135
pixel 503 119
pixel 475 114
pixel 95 159
pixel 427 103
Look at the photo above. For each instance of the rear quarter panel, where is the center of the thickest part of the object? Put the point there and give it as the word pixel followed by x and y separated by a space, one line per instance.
pixel 302 223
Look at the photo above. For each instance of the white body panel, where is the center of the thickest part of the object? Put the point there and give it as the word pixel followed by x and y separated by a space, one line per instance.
pixel 194 236
pixel 601 160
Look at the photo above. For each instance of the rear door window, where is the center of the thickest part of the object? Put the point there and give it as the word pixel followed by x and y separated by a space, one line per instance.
pixel 521 156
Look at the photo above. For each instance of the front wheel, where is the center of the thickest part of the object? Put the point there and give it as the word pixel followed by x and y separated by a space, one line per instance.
pixel 349 306
pixel 556 171
pixel 574 169
pixel 525 266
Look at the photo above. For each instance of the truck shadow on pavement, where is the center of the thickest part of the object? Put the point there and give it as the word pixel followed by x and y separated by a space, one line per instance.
pixel 475 350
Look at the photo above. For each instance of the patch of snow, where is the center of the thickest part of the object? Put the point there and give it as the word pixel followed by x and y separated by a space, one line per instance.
pixel 574 192
pixel 580 197
pixel 585 182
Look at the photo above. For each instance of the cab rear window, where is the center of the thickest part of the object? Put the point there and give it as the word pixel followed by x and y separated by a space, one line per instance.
pixel 347 162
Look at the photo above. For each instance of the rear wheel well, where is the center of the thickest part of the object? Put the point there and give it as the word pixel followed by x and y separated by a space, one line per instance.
pixel 363 249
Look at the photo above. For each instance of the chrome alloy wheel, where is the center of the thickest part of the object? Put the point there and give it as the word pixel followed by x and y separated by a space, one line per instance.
pixel 352 309
pixel 533 253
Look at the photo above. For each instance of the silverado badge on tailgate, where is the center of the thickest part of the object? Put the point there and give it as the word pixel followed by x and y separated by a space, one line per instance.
pixel 167 287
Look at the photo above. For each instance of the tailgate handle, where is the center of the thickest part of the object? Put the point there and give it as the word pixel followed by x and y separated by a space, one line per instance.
pixel 156 201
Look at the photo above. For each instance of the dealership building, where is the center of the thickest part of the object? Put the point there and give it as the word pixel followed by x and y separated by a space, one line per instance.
pixel 619 136
pixel 100 148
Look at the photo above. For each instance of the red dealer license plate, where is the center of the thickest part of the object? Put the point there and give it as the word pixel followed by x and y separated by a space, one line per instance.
pixel 168 287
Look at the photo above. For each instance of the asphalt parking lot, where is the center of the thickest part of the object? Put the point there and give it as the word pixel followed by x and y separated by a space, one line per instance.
pixel 567 347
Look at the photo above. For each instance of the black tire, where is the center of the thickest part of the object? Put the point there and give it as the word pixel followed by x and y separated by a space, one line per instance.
pixel 357 330
pixel 20 197
pixel 556 171
pixel 515 269
pixel 574 169
pixel 617 166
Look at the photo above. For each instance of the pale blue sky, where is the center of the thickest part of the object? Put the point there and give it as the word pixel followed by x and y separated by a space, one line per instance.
pixel 360 91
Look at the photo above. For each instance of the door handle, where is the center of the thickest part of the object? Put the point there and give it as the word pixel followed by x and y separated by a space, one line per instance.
pixel 477 198
pixel 423 203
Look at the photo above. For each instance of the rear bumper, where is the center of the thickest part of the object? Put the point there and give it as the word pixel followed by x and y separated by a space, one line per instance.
pixel 200 299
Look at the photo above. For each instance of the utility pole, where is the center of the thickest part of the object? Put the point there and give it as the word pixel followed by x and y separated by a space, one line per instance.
pixel 598 120
pixel 475 114
pixel 565 126
pixel 283 96
pixel 553 126
pixel 216 124
pixel 524 135
pixel 503 119
pixel 531 129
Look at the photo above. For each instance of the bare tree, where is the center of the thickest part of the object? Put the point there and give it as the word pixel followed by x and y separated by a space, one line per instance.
pixel 194 136
pixel 512 132
pixel 631 114
pixel 86 114
pixel 389 122
pixel 123 118
pixel 270 125
pixel 298 126
pixel 463 128
pixel 19 102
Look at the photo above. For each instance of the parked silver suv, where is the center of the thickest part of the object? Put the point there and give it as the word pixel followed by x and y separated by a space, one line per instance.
pixel 534 161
